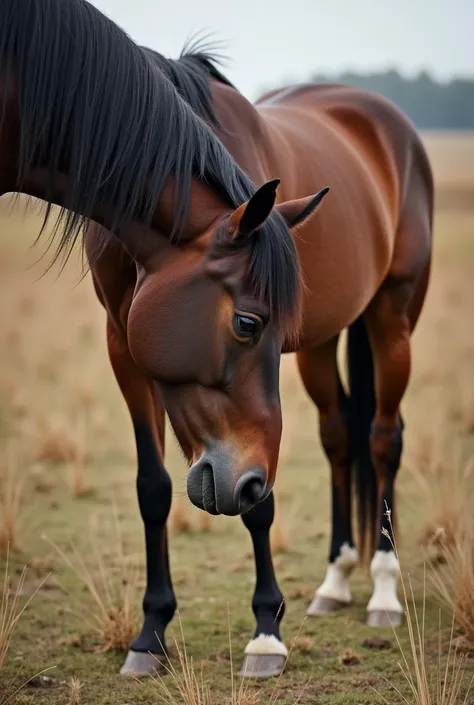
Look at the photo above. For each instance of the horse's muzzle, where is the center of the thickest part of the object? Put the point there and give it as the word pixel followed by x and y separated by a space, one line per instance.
pixel 211 485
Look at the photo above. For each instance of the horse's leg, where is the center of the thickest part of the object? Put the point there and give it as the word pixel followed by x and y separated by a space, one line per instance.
pixel 320 375
pixel 389 328
pixel 154 498
pixel 265 654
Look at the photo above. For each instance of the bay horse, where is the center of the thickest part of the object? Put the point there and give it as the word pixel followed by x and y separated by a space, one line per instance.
pixel 199 216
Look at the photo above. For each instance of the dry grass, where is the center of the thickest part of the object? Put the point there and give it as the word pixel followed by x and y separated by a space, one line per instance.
pixel 10 611
pixel 79 486
pixel 446 480
pixel 285 518
pixel 62 442
pixel 441 685
pixel 301 644
pixel 111 610
pixel 67 329
pixel 205 522
pixel 279 540
pixel 10 614
pixel 453 582
pixel 284 527
pixel 75 687
pixel 468 413
pixel 180 520
pixel 56 444
pixel 11 494
pixel 452 157
pixel 181 517
pixel 186 684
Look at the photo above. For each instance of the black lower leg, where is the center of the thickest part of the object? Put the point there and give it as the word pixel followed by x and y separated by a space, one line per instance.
pixel 334 432
pixel 154 498
pixel 390 445
pixel 267 603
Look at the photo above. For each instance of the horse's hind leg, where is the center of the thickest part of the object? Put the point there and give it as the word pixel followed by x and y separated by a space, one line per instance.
pixel 265 654
pixel 320 375
pixel 389 329
pixel 154 498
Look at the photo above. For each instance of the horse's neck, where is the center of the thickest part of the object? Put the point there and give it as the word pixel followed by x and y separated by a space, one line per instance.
pixel 244 132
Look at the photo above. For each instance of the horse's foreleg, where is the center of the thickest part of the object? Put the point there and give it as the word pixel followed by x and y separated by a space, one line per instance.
pixel 388 328
pixel 154 499
pixel 319 372
pixel 265 654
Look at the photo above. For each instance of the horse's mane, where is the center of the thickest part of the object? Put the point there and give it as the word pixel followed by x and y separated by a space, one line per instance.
pixel 190 74
pixel 93 105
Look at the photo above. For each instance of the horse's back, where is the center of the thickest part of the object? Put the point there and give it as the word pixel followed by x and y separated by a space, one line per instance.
pixel 349 106
pixel 376 223
pixel 355 120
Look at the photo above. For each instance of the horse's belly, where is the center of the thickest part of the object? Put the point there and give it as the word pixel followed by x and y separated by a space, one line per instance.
pixel 342 272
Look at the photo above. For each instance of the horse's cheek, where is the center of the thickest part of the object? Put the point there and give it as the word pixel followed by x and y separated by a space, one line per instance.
pixel 171 334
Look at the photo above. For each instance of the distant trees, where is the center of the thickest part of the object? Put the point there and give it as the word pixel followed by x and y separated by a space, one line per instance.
pixel 430 104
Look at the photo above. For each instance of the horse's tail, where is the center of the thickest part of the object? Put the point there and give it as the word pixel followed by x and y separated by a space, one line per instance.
pixel 362 411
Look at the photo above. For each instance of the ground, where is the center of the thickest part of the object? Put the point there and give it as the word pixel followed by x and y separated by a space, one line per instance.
pixel 66 434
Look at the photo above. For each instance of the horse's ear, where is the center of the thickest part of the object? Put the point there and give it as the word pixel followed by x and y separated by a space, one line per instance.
pixel 252 214
pixel 299 211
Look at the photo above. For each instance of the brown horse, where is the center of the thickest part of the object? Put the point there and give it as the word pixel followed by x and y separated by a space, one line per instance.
pixel 207 279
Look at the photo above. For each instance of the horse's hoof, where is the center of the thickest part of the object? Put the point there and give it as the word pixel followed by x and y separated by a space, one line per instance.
pixel 141 664
pixel 384 618
pixel 262 665
pixel 325 605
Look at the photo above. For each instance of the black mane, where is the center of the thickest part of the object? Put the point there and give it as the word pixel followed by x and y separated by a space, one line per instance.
pixel 93 105
pixel 190 75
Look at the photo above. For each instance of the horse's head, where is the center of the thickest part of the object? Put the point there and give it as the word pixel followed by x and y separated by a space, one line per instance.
pixel 207 323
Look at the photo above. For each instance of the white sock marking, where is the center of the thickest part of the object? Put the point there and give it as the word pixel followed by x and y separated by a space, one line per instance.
pixel 266 645
pixel 336 582
pixel 385 570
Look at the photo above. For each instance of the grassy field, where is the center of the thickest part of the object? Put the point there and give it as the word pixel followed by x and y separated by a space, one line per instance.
pixel 67 439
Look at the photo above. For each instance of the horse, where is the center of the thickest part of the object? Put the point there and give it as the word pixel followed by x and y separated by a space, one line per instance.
pixel 213 253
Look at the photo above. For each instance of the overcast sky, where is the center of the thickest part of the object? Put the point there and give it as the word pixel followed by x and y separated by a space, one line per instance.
pixel 270 42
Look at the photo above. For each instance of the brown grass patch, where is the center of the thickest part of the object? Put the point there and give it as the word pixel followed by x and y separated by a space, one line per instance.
pixel 468 415
pixel 79 486
pixel 349 658
pixel 27 306
pixel 62 442
pixel 75 687
pixel 11 494
pixel 446 480
pixel 205 522
pixel 279 541
pixel 180 520
pixel 302 644
pixel 453 582
pixel 284 525
pixel 84 395
pixel 99 421
pixel 56 444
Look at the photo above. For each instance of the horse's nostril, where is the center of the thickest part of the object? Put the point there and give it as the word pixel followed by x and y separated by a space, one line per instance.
pixel 211 486
pixel 252 489
pixel 208 489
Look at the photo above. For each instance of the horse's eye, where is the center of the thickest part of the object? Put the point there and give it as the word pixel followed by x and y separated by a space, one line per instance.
pixel 247 329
